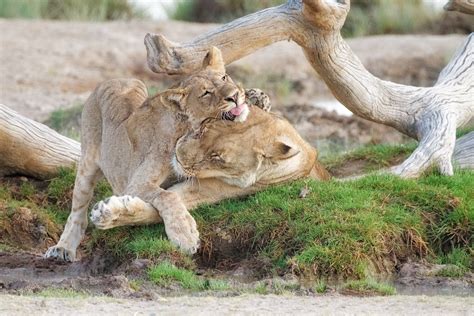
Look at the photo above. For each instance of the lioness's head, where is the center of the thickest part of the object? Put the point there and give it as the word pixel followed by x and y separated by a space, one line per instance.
pixel 264 150
pixel 209 93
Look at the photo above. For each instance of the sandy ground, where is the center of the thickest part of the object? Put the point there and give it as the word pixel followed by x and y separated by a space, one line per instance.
pixel 45 65
pixel 241 305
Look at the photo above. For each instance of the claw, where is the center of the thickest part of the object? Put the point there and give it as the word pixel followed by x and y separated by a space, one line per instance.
pixel 60 253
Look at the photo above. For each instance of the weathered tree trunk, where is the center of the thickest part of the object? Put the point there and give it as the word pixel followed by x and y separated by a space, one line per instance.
pixel 430 115
pixel 31 148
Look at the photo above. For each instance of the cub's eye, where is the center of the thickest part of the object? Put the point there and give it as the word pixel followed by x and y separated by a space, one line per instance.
pixel 205 94
pixel 216 157
pixel 224 78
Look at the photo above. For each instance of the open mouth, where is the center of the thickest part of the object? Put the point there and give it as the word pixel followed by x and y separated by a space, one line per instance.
pixel 235 112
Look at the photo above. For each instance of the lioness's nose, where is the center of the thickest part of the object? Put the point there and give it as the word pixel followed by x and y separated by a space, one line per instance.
pixel 233 98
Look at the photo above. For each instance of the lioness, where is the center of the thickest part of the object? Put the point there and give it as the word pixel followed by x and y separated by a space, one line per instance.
pixel 130 140
pixel 228 160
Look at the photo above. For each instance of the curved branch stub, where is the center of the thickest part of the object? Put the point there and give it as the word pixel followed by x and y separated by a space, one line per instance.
pixel 162 55
pixel 326 15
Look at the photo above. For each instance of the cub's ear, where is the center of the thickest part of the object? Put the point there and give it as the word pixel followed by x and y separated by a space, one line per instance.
pixel 214 60
pixel 281 151
pixel 174 99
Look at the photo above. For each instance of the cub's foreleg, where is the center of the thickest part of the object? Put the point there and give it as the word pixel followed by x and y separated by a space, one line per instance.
pixel 123 210
pixel 163 206
pixel 88 174
pixel 131 210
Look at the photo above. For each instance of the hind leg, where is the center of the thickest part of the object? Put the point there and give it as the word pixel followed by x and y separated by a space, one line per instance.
pixel 88 174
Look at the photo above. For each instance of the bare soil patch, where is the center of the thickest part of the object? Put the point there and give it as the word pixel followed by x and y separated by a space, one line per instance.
pixel 240 305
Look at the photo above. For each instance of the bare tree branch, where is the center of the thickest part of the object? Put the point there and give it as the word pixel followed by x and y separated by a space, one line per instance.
pixel 430 115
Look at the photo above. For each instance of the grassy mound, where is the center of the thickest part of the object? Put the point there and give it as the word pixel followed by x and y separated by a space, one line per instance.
pixel 358 230
pixel 341 230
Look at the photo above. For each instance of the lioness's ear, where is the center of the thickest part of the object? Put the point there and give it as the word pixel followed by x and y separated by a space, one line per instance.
pixel 281 151
pixel 214 60
pixel 174 99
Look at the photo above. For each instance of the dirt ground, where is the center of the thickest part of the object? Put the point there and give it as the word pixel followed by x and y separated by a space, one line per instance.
pixel 240 305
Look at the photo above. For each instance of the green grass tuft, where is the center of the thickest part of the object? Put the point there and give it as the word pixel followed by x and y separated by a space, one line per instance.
pixel 459 261
pixel 388 17
pixel 320 287
pixel 368 287
pixel 374 157
pixel 165 274
pixel 261 288
pixel 150 247
pixel 464 131
pixel 452 271
pixel 61 293
pixel 67 121
pixel 459 257
pixel 135 284
pixel 62 185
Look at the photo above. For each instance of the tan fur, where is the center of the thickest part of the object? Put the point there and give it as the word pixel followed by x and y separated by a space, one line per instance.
pixel 130 139
pixel 228 160
pixel 264 150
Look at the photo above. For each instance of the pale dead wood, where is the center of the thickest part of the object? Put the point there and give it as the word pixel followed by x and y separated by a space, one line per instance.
pixel 31 148
pixel 430 115
pixel 463 156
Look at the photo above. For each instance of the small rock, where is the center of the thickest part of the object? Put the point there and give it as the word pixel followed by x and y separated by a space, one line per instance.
pixel 304 192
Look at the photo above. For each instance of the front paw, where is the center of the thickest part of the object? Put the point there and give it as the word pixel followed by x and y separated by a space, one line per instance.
pixel 182 231
pixel 60 253
pixel 104 214
pixel 258 98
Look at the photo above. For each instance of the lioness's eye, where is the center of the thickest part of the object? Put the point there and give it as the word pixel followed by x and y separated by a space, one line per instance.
pixel 206 94
pixel 224 78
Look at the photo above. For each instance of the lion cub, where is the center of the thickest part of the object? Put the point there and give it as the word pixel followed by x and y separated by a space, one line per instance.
pixel 130 139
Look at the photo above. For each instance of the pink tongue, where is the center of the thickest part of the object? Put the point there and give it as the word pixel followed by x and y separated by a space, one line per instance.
pixel 238 109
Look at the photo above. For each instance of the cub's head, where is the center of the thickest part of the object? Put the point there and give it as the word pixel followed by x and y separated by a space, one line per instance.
pixel 209 93
pixel 263 150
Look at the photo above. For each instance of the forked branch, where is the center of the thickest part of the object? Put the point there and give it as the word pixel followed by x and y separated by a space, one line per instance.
pixel 430 115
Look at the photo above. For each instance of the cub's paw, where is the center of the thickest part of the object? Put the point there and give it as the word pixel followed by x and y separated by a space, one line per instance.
pixel 104 214
pixel 258 98
pixel 60 253
pixel 182 231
